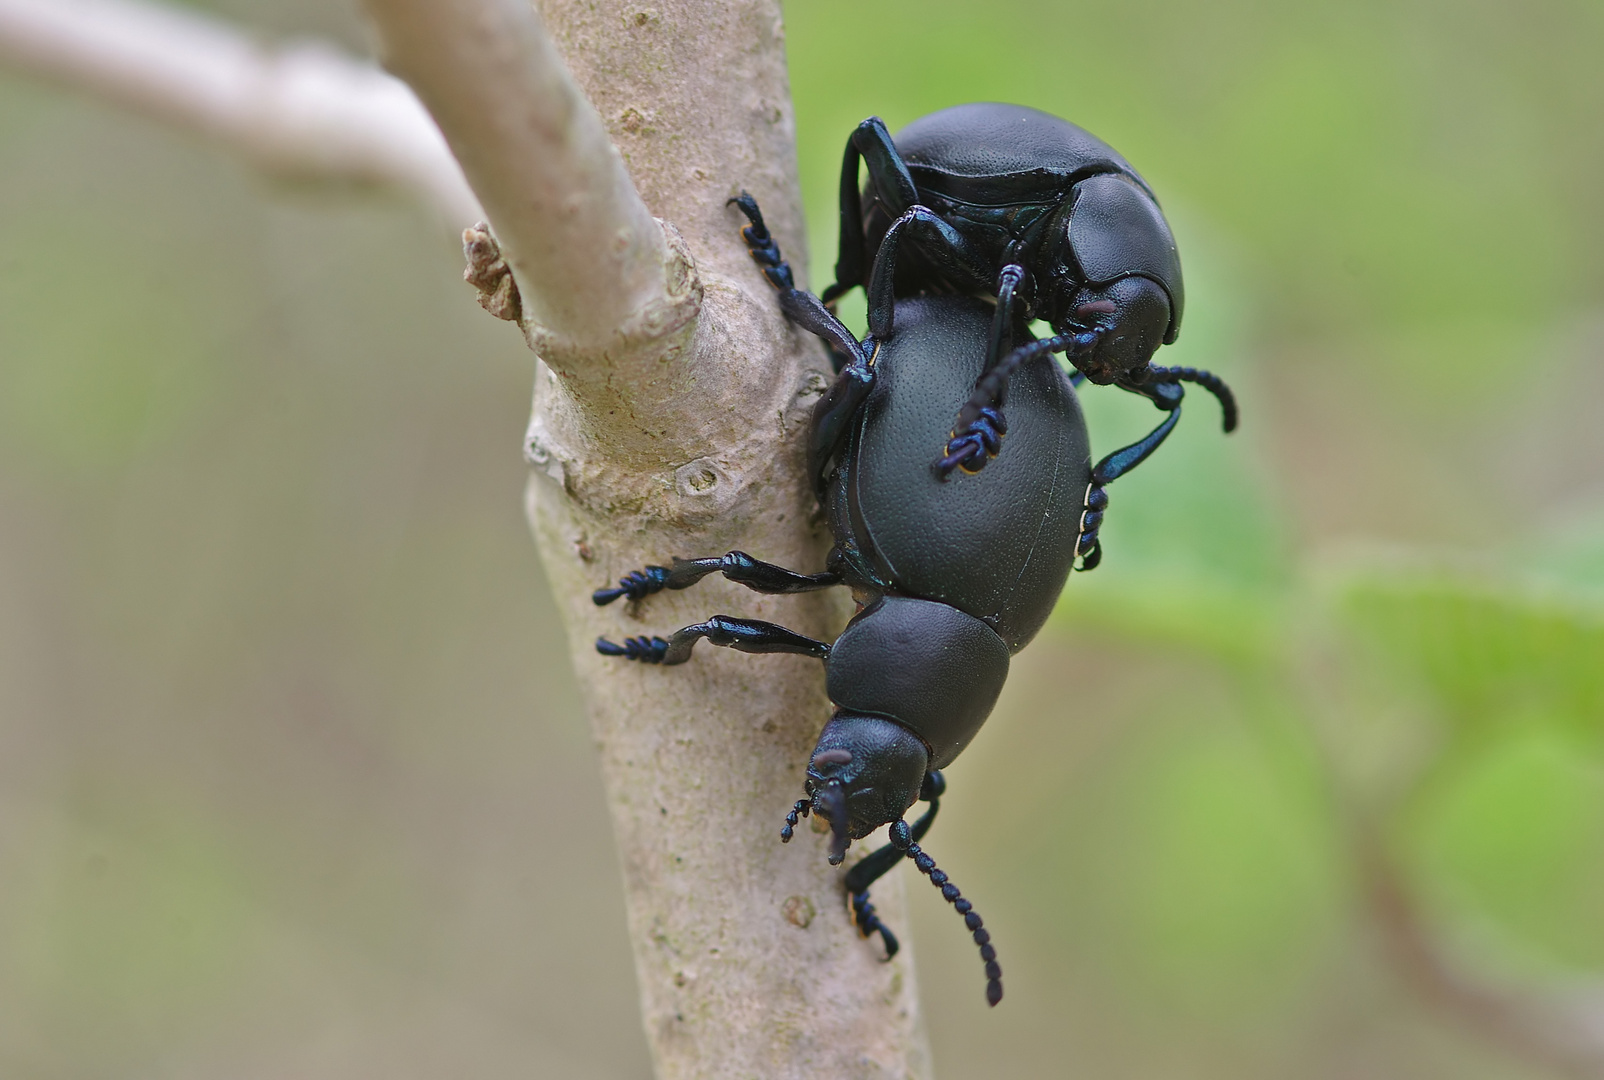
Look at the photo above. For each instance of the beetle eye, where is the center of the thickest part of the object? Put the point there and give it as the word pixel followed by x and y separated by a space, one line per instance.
pixel 1095 307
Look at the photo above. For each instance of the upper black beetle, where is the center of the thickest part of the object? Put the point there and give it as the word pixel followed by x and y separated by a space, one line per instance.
pixel 951 579
pixel 1005 200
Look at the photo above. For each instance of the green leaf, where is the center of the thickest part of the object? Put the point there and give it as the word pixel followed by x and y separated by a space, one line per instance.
pixel 1487 655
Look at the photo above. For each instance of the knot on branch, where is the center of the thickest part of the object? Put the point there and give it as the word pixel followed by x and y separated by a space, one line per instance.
pixel 657 322
pixel 489 273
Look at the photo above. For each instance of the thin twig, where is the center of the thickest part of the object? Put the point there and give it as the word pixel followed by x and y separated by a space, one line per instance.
pixel 1542 1029
pixel 590 261
pixel 304 110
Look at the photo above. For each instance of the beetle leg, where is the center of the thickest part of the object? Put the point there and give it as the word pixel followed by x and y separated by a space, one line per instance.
pixel 943 246
pixel 800 307
pixel 832 419
pixel 873 867
pixel 1009 280
pixel 890 181
pixel 742 635
pixel 738 566
pixel 1105 472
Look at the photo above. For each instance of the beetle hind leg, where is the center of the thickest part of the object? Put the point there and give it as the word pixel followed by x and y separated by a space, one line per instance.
pixel 742 635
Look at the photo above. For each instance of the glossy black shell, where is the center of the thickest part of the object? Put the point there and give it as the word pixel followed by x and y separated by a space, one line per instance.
pixel 1001 173
pixel 998 544
pixel 990 154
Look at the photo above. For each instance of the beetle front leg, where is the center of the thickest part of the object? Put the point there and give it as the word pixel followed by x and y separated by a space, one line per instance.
pixel 889 178
pixel 1105 472
pixel 873 867
pixel 742 635
pixel 832 419
pixel 800 307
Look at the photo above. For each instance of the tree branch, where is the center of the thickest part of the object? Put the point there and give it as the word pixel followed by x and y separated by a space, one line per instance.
pixel 587 255
pixel 305 111
pixel 670 413
pixel 1562 1034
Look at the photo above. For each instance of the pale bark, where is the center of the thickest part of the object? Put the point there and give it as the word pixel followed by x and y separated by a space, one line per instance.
pixel 671 403
pixel 669 416
pixel 304 111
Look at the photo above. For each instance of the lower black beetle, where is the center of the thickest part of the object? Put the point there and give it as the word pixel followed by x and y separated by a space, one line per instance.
pixel 951 578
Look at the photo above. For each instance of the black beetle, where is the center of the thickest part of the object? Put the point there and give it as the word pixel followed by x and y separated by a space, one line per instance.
pixel 1008 201
pixel 951 579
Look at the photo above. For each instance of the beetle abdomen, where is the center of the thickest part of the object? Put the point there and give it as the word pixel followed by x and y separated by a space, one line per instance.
pixel 997 544
pixel 927 665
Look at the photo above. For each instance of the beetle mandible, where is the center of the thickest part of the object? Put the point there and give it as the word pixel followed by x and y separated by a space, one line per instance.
pixel 951 579
pixel 1008 201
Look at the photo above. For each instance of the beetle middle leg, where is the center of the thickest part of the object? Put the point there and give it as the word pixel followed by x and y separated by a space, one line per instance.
pixel 1116 465
pixel 738 566
pixel 943 246
pixel 742 635
pixel 800 307
pixel 873 867
pixel 892 183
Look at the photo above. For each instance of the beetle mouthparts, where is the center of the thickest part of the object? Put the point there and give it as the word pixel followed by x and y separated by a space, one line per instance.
pixel 832 803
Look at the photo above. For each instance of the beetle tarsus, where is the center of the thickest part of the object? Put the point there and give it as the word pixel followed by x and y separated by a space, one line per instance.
pixel 760 242
pixel 648 650
pixel 637 585
pixel 742 635
pixel 869 924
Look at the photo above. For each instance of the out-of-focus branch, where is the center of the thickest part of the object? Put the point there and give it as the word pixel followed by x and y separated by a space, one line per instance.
pixel 592 265
pixel 303 110
pixel 1548 1031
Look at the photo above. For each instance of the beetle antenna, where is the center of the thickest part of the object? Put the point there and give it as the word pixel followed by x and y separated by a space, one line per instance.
pixel 902 840
pixel 991 389
pixel 799 810
pixel 833 805
pixel 977 433
pixel 1208 381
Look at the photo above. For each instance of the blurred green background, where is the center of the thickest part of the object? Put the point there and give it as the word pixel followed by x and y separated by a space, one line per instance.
pixel 293 777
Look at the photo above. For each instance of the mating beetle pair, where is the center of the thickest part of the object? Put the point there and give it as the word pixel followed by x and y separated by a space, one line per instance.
pixel 953 574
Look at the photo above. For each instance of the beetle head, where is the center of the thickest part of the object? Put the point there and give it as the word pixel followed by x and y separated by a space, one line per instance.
pixel 1129 316
pixel 865 772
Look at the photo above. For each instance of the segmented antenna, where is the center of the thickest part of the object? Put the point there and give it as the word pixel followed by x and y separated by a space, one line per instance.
pixel 799 810
pixel 991 389
pixel 1207 380
pixel 902 840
